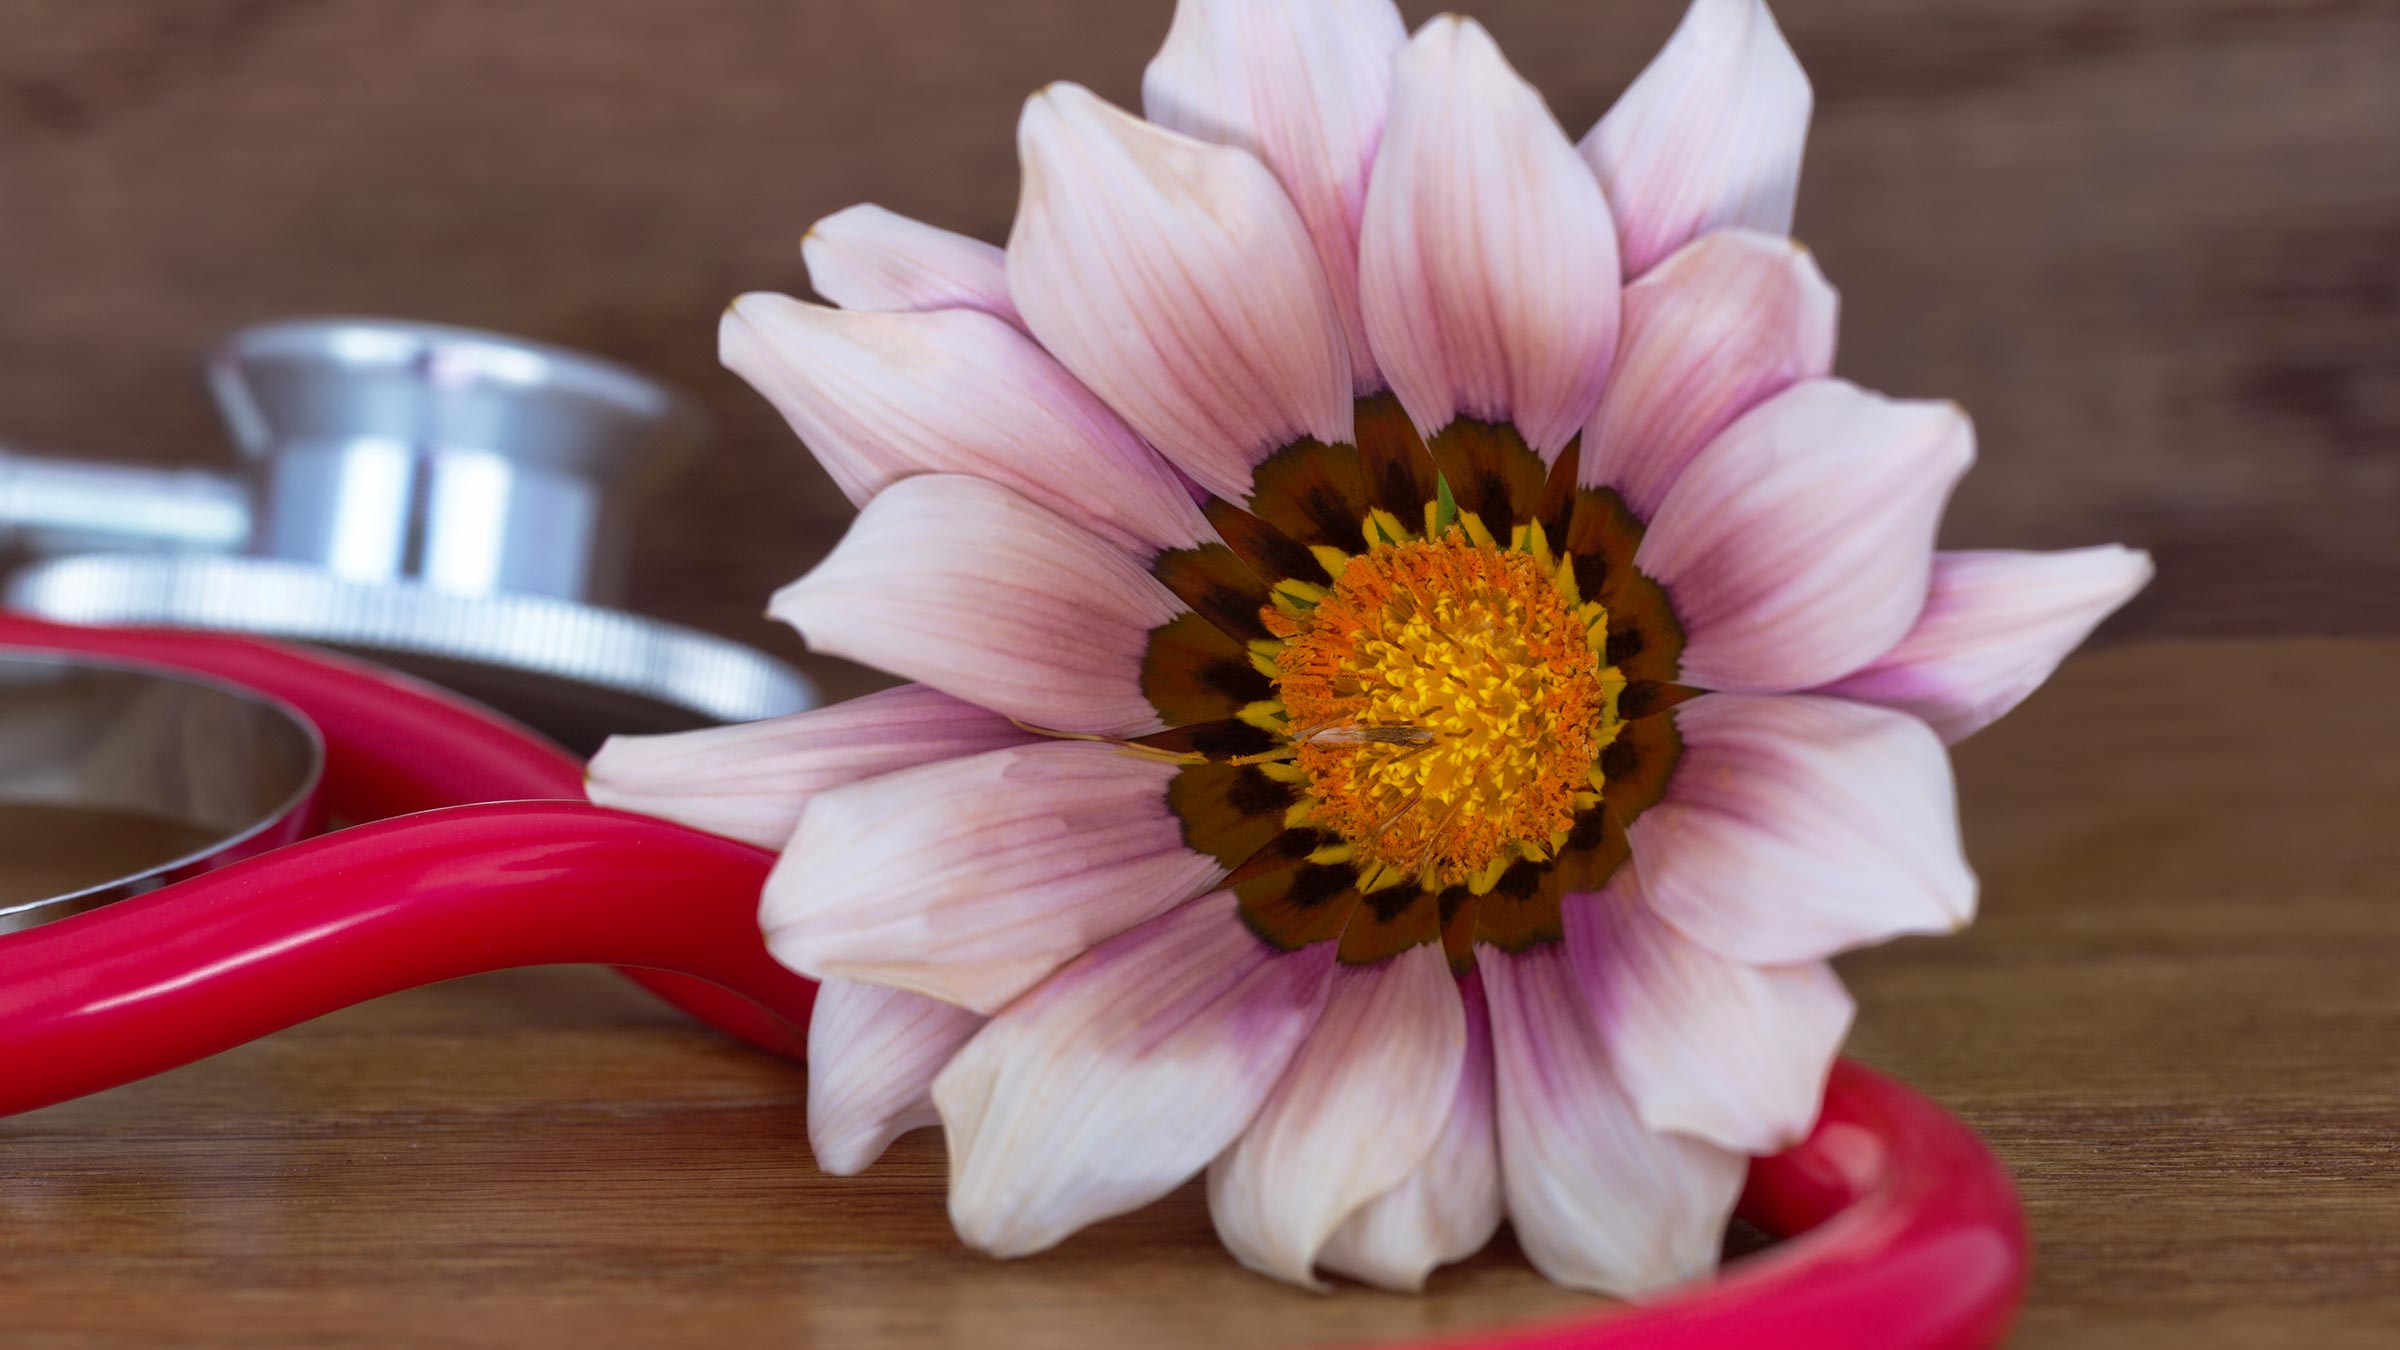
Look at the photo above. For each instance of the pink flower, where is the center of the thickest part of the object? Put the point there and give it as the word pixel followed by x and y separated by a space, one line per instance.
pixel 1418 664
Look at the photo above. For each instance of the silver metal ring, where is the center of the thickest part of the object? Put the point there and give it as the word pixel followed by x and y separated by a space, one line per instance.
pixel 117 778
pixel 531 656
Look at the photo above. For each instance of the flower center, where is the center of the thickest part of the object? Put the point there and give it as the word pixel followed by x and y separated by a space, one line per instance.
pixel 1410 669
pixel 1447 700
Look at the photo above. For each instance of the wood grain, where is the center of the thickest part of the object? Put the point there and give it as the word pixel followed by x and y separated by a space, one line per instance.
pixel 2175 1021
pixel 2155 248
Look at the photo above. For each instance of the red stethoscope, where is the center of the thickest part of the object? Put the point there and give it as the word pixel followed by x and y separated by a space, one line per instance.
pixel 477 853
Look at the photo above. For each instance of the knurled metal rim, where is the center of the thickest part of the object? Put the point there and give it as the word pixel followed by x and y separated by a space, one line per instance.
pixel 710 676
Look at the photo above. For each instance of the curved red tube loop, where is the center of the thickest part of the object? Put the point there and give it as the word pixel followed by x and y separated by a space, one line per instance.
pixel 186 971
pixel 394 745
pixel 1904 1232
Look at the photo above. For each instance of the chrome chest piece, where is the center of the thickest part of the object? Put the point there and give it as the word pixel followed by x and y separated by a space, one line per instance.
pixel 454 503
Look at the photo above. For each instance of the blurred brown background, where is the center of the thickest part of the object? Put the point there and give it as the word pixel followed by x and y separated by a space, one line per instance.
pixel 2153 247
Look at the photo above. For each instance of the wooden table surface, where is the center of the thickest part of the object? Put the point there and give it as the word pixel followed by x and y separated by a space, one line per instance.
pixel 2177 1021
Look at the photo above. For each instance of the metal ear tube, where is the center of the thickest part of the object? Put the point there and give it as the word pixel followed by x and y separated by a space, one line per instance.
pixel 52 505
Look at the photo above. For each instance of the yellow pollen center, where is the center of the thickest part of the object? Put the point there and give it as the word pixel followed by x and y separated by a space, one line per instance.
pixel 1447 704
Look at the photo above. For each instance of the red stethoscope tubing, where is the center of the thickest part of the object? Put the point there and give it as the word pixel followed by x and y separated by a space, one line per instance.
pixel 395 745
pixel 144 985
pixel 1904 1232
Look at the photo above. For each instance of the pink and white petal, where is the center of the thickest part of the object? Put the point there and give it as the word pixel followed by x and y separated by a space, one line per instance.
pixel 1796 546
pixel 1303 87
pixel 1732 319
pixel 1448 1209
pixel 1995 625
pixel 1709 135
pixel 1357 1112
pixel 1721 1050
pixel 1599 1200
pixel 971 879
pixel 872 1056
pixel 751 781
pixel 1797 826
pixel 1120 1077
pixel 879 397
pixel 1176 279
pixel 1487 262
pixel 961 584
pixel 864 257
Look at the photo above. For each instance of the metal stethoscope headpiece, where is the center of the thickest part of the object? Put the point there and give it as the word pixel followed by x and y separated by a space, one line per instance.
pixel 454 502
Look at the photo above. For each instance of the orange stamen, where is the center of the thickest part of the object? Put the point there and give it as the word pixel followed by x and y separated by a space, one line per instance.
pixel 1453 675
